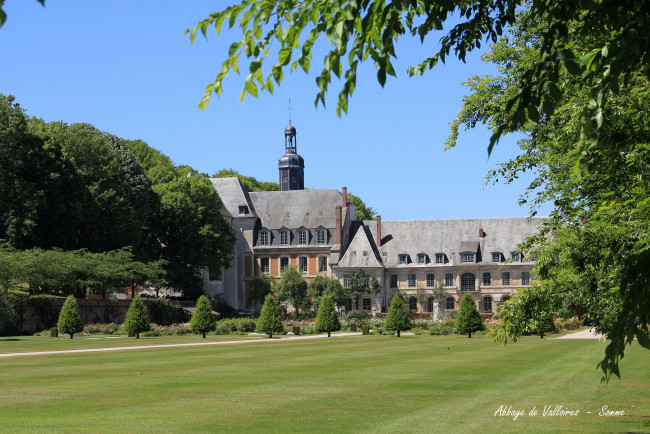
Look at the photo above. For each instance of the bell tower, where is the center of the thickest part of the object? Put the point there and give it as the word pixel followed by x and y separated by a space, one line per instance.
pixel 291 165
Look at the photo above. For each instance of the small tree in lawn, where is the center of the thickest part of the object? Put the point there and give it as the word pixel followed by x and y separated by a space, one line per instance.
pixel 137 318
pixel 468 319
pixel 328 319
pixel 270 321
pixel 203 320
pixel 397 318
pixel 69 319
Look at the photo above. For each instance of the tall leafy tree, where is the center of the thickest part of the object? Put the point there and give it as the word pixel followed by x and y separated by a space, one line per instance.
pixel 261 286
pixel 69 318
pixel 249 182
pixel 468 320
pixel 321 286
pixel 327 320
pixel 137 318
pixel 7 311
pixel 397 318
pixel 203 320
pixel 592 254
pixel 361 210
pixel 292 288
pixel 270 321
pixel 187 231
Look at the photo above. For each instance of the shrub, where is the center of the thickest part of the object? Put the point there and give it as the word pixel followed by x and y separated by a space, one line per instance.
pixel 101 329
pixel 468 320
pixel 270 321
pixel 397 318
pixel 166 312
pixel 137 318
pixel 202 319
pixel 235 326
pixel 328 319
pixel 170 330
pixel 443 328
pixel 358 317
pixel 69 319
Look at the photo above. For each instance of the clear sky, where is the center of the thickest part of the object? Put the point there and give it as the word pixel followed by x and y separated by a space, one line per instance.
pixel 126 68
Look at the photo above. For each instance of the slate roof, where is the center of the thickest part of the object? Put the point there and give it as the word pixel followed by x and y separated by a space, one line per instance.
pixel 451 237
pixel 233 195
pixel 297 208
pixel 362 251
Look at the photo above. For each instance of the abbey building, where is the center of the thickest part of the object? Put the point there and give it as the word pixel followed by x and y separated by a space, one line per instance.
pixel 316 232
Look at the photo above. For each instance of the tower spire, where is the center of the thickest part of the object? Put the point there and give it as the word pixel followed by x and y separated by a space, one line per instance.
pixel 290 108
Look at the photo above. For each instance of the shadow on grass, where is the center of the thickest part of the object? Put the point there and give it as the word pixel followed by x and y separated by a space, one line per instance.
pixel 11 339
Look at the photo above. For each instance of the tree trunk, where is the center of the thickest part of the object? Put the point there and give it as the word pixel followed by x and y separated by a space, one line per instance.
pixel 270 335
pixel 329 334
pixel 203 335
pixel 398 333
pixel 541 334
pixel 137 335
pixel 70 335
pixel 469 335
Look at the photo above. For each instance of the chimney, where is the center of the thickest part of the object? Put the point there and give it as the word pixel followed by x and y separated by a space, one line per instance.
pixel 378 231
pixel 345 196
pixel 338 225
pixel 481 234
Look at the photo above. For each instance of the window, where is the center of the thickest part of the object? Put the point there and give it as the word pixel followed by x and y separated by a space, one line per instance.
pixel 430 280
pixel 413 303
pixel 264 238
pixel 243 209
pixel 487 279
pixel 402 259
pixel 525 278
pixel 284 263
pixel 505 278
pixel 346 280
pixel 430 304
pixel 365 304
pixel 302 264
pixel 321 236
pixel 440 258
pixel 284 238
pixel 411 280
pixel 516 256
pixel 302 237
pixel 487 304
pixel 264 265
pixel 393 280
pixel 496 257
pixel 367 280
pixel 467 282
pixel 322 263
pixel 449 303
pixel 422 258
pixel 449 279
pixel 467 257
pixel 505 298
pixel 348 306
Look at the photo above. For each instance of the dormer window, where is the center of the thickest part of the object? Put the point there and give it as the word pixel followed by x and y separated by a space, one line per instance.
pixel 467 257
pixel 402 259
pixel 497 257
pixel 422 258
pixel 302 236
pixel 284 238
pixel 440 258
pixel 264 238
pixel 243 210
pixel 516 256
pixel 321 236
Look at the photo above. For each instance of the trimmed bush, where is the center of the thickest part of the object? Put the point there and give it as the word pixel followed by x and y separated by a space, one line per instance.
pixel 397 318
pixel 137 318
pixel 328 319
pixel 468 320
pixel 203 320
pixel 69 319
pixel 270 321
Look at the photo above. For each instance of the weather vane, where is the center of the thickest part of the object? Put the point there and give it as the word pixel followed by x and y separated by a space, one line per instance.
pixel 290 108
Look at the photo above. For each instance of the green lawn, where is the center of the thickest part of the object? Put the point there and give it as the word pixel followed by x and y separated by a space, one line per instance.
pixel 346 384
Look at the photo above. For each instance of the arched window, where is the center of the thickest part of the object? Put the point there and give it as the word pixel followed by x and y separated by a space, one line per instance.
pixel 467 282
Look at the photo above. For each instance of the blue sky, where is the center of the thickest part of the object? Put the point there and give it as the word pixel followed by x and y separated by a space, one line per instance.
pixel 126 68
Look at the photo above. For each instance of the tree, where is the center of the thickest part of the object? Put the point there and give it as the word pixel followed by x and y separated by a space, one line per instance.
pixel 468 319
pixel 137 318
pixel 270 321
pixel 3 15
pixel 249 182
pixel 261 286
pixel 397 318
pixel 592 254
pixel 328 319
pixel 7 311
pixel 361 210
pixel 203 320
pixel 321 286
pixel 69 318
pixel 292 287
pixel 187 231
pixel 358 285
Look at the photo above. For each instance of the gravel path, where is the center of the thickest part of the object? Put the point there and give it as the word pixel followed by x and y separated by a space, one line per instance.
pixel 194 344
pixel 583 334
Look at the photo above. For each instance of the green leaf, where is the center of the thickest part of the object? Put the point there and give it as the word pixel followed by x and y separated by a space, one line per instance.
pixel 284 56
pixel 643 338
